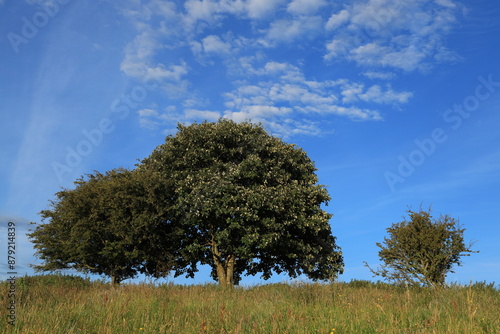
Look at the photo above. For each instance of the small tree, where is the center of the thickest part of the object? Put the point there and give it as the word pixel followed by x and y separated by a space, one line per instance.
pixel 422 250
pixel 246 202
pixel 109 224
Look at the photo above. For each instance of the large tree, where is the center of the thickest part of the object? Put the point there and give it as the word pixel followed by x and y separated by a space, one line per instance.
pixel 422 250
pixel 247 202
pixel 109 224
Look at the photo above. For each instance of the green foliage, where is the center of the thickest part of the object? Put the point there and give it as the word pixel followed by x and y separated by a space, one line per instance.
pixel 422 250
pixel 29 282
pixel 109 224
pixel 246 202
pixel 224 194
pixel 356 283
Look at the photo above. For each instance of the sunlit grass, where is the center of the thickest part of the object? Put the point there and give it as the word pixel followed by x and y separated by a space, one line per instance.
pixel 54 304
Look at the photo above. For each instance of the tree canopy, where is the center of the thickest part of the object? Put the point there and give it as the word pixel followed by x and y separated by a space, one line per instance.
pixel 247 202
pixel 223 194
pixel 422 250
pixel 109 224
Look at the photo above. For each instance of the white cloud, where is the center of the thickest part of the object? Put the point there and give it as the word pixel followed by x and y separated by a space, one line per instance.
pixel 147 112
pixel 306 97
pixel 336 20
pixel 172 73
pixel 256 112
pixel 446 55
pixel 289 127
pixel 201 115
pixel 258 9
pixel 210 12
pixel 204 10
pixel 305 7
pixel 373 33
pixel 337 48
pixel 378 95
pixel 139 59
pixel 148 123
pixel 379 75
pixel 287 30
pixel 275 69
pixel 152 119
pixel 135 11
pixel 166 9
pixel 213 44
pixel 353 92
pixel 446 3
pixel 371 53
pixel 196 48
pixel 139 52
pixel 406 35
pixel 407 58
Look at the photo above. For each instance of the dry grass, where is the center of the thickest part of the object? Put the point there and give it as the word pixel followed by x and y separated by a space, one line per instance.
pixel 57 304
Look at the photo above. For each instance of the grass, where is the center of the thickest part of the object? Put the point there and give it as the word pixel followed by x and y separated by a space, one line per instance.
pixel 65 304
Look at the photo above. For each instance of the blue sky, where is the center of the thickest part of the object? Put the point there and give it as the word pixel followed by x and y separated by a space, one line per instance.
pixel 396 101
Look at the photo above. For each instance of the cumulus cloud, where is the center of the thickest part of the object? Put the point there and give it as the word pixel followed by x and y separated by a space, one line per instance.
pixel 147 112
pixel 388 96
pixel 336 20
pixel 406 35
pixel 353 92
pixel 213 44
pixel 201 115
pixel 298 94
pixel 379 75
pixel 153 119
pixel 287 30
pixel 208 12
pixel 139 61
pixel 385 37
pixel 256 112
pixel 139 52
pixel 289 127
pixel 204 10
pixel 258 9
pixel 305 7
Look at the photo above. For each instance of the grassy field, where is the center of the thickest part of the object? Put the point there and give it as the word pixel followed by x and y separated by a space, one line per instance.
pixel 58 304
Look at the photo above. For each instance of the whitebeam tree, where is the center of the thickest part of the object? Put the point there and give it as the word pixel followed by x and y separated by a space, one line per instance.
pixel 246 202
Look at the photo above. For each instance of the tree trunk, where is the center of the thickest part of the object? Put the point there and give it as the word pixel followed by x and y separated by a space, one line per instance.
pixel 115 280
pixel 225 267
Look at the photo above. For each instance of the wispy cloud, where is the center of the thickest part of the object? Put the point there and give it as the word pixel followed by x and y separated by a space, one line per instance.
pixel 213 44
pixel 379 75
pixel 288 30
pixel 201 115
pixel 280 92
pixel 382 35
pixel 259 9
pixel 405 35
pixel 288 87
pixel 357 92
pixel 139 59
pixel 478 172
pixel 305 7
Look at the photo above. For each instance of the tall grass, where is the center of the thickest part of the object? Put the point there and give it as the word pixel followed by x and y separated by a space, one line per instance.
pixel 58 304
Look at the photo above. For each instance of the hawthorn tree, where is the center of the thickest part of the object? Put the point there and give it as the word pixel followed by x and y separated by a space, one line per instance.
pixel 109 224
pixel 247 202
pixel 422 250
